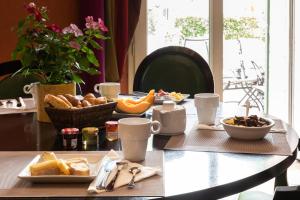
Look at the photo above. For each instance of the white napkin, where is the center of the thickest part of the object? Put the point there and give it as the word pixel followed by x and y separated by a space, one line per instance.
pixel 217 127
pixel 124 176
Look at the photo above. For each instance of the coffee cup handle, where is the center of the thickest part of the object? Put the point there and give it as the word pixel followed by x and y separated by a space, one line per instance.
pixel 157 123
pixel 27 89
pixel 96 88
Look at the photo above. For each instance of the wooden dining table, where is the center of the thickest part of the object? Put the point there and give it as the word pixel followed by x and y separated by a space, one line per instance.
pixel 187 174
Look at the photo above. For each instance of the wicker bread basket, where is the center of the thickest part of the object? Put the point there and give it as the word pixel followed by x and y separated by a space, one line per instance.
pixel 95 116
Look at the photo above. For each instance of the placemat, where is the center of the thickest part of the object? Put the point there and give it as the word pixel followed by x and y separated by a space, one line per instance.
pixel 12 164
pixel 219 141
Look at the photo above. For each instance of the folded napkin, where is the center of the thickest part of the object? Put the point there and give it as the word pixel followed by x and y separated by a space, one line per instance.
pixel 217 127
pixel 124 176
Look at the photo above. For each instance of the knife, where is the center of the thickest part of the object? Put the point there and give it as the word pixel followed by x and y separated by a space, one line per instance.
pixel 105 169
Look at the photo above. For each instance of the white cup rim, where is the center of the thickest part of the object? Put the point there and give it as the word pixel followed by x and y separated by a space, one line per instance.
pixel 207 95
pixel 109 84
pixel 134 121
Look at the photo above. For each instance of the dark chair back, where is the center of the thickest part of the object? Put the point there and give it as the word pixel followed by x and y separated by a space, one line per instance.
pixel 174 68
pixel 12 86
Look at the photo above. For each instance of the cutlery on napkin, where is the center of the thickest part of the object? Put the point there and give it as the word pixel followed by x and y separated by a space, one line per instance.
pixel 124 176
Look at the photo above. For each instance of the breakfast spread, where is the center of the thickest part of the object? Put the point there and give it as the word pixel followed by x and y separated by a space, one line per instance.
pixel 49 164
pixel 250 121
pixel 68 101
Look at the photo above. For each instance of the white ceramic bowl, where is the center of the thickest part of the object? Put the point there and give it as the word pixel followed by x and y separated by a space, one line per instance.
pixel 247 133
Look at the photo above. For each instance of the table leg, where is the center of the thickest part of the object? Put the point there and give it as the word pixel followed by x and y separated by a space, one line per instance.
pixel 281 180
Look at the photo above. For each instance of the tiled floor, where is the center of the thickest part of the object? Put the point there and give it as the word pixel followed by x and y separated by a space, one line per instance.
pixel 268 187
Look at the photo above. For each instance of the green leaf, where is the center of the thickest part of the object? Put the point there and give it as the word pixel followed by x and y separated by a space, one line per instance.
pixel 94 44
pixel 92 59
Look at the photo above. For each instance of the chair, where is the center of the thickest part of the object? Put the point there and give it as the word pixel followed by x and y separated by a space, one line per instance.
pixel 12 86
pixel 174 68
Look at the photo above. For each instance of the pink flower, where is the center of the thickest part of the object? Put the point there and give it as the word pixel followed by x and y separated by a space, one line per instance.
pixel 74 45
pixel 31 7
pixel 102 25
pixel 54 28
pixel 72 29
pixel 90 23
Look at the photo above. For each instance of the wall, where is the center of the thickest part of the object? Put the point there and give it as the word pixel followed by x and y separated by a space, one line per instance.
pixel 61 12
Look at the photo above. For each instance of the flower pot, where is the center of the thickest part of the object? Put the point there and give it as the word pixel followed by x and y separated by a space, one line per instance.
pixel 43 89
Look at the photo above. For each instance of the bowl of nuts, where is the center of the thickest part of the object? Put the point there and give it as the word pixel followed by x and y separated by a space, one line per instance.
pixel 247 128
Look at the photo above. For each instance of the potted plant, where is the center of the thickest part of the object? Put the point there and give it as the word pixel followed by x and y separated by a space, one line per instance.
pixel 57 56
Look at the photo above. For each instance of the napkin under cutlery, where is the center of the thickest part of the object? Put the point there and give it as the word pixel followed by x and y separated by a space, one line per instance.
pixel 124 176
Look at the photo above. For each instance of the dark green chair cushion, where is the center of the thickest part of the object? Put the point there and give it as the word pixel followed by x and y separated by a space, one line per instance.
pixel 174 68
pixel 12 86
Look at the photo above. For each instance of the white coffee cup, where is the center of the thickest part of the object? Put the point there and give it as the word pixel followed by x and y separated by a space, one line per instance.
pixel 109 90
pixel 134 133
pixel 207 105
pixel 31 89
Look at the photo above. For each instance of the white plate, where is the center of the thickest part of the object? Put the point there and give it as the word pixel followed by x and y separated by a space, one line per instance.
pixel 118 115
pixel 94 161
pixel 160 99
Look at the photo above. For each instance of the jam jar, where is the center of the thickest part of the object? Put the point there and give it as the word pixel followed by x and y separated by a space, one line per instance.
pixel 90 137
pixel 70 138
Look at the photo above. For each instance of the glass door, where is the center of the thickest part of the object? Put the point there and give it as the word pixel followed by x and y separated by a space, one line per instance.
pixel 180 23
pixel 244 53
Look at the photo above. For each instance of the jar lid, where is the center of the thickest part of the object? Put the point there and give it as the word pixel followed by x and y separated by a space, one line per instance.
pixel 70 131
pixel 90 130
pixel 111 123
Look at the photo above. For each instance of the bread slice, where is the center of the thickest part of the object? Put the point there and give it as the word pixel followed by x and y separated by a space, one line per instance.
pixel 79 169
pixel 63 167
pixel 47 156
pixel 49 167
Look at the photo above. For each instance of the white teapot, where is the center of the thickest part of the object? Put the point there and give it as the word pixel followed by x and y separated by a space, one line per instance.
pixel 172 118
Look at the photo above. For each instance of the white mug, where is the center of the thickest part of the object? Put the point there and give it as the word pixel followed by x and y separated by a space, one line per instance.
pixel 134 133
pixel 207 105
pixel 109 90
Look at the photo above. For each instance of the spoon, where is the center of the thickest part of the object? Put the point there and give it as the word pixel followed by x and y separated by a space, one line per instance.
pixel 134 171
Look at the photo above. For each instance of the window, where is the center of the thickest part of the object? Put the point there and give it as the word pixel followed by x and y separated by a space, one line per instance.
pixel 256 46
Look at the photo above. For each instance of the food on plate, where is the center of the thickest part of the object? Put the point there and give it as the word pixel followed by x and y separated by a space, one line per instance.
pixel 50 165
pixel 177 96
pixel 250 121
pixel 136 106
pixel 47 156
pixel 44 168
pixel 68 101
pixel 79 168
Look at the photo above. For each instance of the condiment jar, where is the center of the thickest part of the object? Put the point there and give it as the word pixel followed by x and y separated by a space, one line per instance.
pixel 90 137
pixel 111 129
pixel 172 118
pixel 69 136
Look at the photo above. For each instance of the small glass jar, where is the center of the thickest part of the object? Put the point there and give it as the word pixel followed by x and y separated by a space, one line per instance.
pixel 70 138
pixel 111 128
pixel 90 137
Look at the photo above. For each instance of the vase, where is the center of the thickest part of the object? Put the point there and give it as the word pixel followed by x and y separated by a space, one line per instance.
pixel 43 89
